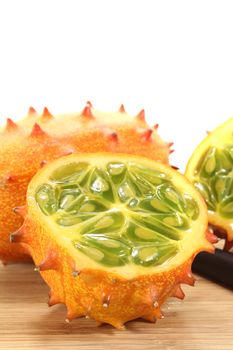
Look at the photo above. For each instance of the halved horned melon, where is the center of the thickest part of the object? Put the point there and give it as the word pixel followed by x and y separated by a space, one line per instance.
pixel 211 170
pixel 113 235
pixel 41 138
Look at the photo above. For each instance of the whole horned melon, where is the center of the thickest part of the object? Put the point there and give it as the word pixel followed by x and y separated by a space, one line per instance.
pixel 39 139
pixel 113 235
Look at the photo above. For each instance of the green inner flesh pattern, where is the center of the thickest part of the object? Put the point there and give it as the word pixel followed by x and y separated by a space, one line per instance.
pixel 120 212
pixel 214 179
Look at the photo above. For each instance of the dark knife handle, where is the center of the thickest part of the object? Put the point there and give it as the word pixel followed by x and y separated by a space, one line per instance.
pixel 217 267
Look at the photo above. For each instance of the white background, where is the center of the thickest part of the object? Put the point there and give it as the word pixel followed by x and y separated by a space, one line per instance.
pixel 174 58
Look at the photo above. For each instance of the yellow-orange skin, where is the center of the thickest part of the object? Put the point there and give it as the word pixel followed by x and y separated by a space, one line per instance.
pixel 24 149
pixel 85 294
pixel 19 162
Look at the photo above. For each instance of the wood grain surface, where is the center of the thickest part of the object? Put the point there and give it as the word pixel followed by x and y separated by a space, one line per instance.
pixel 204 320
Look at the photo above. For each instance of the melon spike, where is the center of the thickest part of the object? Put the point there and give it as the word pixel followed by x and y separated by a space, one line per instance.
pixel 119 326
pixel 43 163
pixel 170 144
pixel 89 104
pixel 37 131
pixel 71 314
pixel 32 110
pixel 11 178
pixel 53 299
pixel 87 111
pixel 146 135
pixel 19 235
pixel 211 236
pixel 151 318
pixel 106 296
pixel 10 125
pixel 188 278
pixel 141 116
pixel 171 151
pixel 154 315
pixel 153 296
pixel 178 292
pixel 156 126
pixel 50 262
pixel 46 115
pixel 122 108
pixel 158 313
pixel 88 307
pixel 75 273
pixel 74 270
pixel 113 137
pixel 150 298
pixel 67 152
pixel 22 211
pixel 175 167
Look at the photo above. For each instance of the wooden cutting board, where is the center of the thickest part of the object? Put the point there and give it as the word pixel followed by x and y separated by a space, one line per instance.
pixel 204 320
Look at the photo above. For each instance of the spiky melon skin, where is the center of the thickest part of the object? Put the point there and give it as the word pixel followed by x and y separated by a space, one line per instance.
pixel 86 293
pixel 42 138
pixel 19 160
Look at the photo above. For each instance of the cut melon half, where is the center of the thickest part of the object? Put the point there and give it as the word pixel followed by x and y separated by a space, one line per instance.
pixel 113 235
pixel 210 169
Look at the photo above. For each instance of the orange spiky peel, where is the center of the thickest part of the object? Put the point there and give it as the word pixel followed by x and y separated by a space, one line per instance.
pixel 41 138
pixel 210 169
pixel 113 235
